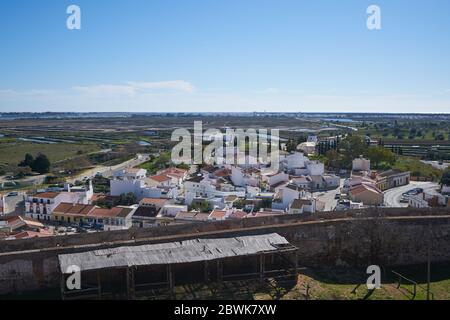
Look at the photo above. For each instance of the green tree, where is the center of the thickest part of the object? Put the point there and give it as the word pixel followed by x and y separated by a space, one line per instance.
pixel 28 161
pixel 202 206
pixel 126 199
pixel 41 164
pixel 291 145
pixel 378 154
pixel 334 158
pixel 183 166
pixel 352 147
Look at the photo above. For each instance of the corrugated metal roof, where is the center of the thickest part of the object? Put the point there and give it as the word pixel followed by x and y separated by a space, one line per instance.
pixel 172 252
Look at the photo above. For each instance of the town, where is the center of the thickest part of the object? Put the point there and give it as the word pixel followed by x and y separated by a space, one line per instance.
pixel 183 194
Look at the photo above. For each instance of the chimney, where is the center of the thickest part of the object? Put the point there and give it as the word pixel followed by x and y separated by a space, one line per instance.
pixel 67 187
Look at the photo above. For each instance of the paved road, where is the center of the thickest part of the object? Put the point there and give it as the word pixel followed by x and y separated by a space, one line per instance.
pixel 436 164
pixel 108 171
pixel 392 197
pixel 104 170
pixel 328 197
pixel 36 180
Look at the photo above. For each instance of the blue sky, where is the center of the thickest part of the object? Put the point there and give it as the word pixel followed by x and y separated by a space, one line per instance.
pixel 225 55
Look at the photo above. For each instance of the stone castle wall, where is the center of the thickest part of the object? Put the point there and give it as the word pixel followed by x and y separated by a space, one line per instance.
pixel 357 238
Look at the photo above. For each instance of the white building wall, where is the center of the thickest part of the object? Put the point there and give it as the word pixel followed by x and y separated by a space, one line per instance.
pixel 280 177
pixel 289 196
pixel 295 160
pixel 361 164
pixel 237 177
pixel 119 187
pixel 172 210
pixel 315 168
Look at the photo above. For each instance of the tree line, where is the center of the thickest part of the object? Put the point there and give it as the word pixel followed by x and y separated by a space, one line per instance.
pixel 41 164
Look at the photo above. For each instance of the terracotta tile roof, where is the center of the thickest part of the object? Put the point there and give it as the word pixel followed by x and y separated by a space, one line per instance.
pixel 63 207
pixel 173 172
pixel 73 209
pixel 46 195
pixel 160 178
pixel 110 213
pixel 97 196
pixel 25 220
pixel 80 209
pixel 364 187
pixel 217 214
pixel 158 202
pixel 238 214
pixel 222 173
pixel 31 234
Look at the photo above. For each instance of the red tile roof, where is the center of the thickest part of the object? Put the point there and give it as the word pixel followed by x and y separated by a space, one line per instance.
pixel 32 234
pixel 217 214
pixel 158 202
pixel 364 187
pixel 73 209
pixel 46 195
pixel 238 215
pixel 110 213
pixel 160 178
pixel 173 172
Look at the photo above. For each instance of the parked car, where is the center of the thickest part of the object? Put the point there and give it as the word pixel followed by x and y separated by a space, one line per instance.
pixel 404 199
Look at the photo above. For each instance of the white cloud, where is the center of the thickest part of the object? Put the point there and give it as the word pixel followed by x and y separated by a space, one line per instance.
pixel 181 96
pixel 133 88
pixel 105 89
pixel 176 85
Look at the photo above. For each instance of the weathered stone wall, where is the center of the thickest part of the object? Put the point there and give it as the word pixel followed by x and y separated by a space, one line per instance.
pixel 384 237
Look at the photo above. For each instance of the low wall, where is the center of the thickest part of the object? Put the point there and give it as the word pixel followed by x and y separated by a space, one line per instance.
pixel 357 238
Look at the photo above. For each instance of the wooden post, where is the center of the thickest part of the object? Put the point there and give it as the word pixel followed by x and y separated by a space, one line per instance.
pixel 296 262
pixel 261 268
pixel 205 270
pixel 219 271
pixel 170 279
pixel 133 284
pixel 130 282
pixel 63 286
pixel 99 283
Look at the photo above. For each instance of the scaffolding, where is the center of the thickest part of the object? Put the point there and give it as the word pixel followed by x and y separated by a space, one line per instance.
pixel 151 270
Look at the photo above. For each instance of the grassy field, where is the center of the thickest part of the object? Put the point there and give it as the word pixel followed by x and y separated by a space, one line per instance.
pixel 347 284
pixel 329 284
pixel 12 152
pixel 417 168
